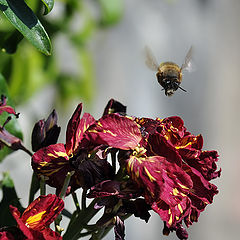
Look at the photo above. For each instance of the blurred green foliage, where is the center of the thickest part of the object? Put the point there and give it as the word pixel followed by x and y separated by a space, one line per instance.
pixel 69 27
pixel 9 197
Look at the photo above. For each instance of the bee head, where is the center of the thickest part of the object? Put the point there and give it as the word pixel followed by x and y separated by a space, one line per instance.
pixel 170 85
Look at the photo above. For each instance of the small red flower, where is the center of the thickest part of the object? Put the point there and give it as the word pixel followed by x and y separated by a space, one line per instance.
pixel 5 108
pixel 35 220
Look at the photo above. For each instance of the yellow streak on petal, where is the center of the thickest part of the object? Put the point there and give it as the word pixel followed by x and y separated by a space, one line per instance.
pixel 42 164
pixel 111 133
pixel 55 208
pixel 170 221
pixel 167 137
pixel 137 173
pixel 183 146
pixel 58 154
pixel 175 192
pixel 177 218
pixel 100 124
pixel 183 186
pixel 93 131
pixel 180 208
pixel 35 219
pixel 152 179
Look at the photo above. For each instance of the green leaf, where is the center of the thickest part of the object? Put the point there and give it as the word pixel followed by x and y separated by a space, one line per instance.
pixel 26 22
pixel 112 11
pixel 30 72
pixel 9 197
pixel 12 126
pixel 48 5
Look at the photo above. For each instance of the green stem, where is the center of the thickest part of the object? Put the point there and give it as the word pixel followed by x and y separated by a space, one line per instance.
pixel 98 235
pixel 65 184
pixel 33 188
pixel 74 229
pixel 75 200
pixel 84 197
pixel 42 185
pixel 113 156
pixel 62 195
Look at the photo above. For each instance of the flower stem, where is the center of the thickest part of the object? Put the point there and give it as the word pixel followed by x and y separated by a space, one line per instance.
pixel 113 156
pixel 84 196
pixel 42 185
pixel 62 195
pixel 75 200
pixel 33 188
pixel 65 184
pixel 75 227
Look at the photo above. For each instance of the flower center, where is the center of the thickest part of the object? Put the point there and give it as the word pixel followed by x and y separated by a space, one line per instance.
pixel 139 151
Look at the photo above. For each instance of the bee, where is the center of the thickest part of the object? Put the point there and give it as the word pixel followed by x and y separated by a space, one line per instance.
pixel 169 74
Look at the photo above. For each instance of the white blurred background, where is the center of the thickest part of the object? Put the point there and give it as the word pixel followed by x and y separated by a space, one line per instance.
pixel 210 106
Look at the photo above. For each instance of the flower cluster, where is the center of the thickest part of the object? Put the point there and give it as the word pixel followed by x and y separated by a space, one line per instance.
pixel 161 167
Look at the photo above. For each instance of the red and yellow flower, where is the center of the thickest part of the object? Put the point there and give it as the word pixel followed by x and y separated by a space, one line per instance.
pixel 35 220
pixel 165 161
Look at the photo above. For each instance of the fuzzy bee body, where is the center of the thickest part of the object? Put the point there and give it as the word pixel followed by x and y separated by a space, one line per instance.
pixel 169 74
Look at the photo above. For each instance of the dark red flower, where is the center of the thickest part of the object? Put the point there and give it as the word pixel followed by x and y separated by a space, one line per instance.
pixel 165 161
pixel 56 160
pixel 35 220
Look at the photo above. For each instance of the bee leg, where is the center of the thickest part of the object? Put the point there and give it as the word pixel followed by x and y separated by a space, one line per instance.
pixel 182 89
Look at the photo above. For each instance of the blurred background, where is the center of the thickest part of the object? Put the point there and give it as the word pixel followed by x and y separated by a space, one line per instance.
pixel 98 55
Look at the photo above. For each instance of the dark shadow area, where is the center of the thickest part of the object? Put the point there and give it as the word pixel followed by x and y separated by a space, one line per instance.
pixel 3 7
pixel 23 12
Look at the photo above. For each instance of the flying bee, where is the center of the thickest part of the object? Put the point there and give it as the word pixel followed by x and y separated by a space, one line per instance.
pixel 169 74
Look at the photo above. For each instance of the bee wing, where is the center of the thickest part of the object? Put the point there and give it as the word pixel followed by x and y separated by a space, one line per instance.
pixel 188 65
pixel 150 59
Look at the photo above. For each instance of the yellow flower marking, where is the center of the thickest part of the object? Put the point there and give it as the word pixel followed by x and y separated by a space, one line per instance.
pixel 42 164
pixel 111 133
pixel 170 221
pixel 183 186
pixel 175 192
pixel 99 124
pixel 183 146
pixel 152 179
pixel 180 208
pixel 56 208
pixel 58 154
pixel 138 152
pixel 32 221
pixel 137 173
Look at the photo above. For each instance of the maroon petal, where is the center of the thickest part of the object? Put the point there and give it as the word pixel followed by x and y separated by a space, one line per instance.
pixel 76 128
pixel 115 131
pixel 165 185
pixel 53 163
pixel 72 127
pixel 119 229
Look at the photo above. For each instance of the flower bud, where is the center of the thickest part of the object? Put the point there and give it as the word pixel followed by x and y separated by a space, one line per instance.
pixel 45 133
